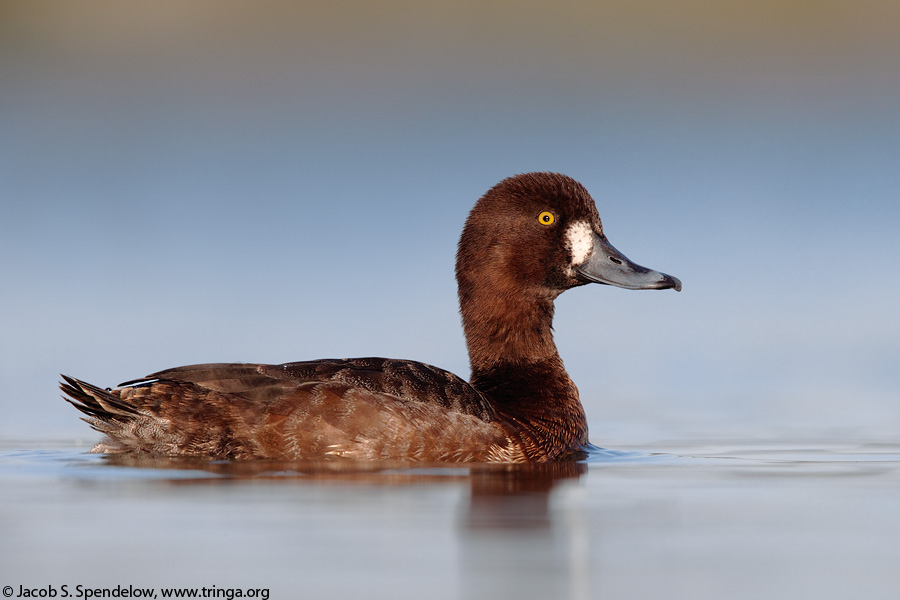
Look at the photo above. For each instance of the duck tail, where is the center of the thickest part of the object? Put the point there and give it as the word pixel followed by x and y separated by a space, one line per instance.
pixel 97 403
pixel 107 414
pixel 127 427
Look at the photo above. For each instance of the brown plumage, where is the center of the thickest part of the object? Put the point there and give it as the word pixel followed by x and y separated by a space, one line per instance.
pixel 527 240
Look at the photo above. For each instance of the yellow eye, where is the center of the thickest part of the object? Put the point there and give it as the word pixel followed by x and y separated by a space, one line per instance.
pixel 546 218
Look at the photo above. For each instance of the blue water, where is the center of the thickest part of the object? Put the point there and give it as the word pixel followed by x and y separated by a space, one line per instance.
pixel 739 520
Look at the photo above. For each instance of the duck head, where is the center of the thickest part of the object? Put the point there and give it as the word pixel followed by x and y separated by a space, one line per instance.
pixel 527 240
pixel 541 233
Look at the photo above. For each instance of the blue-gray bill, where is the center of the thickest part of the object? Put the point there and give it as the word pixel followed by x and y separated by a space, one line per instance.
pixel 609 266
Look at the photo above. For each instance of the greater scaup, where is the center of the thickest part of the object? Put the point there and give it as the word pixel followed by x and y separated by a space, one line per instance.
pixel 527 240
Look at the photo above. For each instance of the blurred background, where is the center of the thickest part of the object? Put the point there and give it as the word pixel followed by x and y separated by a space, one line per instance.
pixel 188 181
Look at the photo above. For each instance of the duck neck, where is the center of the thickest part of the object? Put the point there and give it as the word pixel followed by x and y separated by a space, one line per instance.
pixel 509 334
pixel 503 329
pixel 537 403
pixel 513 356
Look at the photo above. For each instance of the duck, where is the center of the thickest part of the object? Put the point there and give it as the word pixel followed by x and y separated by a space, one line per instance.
pixel 527 239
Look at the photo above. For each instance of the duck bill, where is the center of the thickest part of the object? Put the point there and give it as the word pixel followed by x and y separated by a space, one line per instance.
pixel 609 266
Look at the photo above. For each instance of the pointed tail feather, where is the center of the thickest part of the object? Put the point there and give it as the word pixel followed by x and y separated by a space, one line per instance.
pixel 96 402
pixel 127 428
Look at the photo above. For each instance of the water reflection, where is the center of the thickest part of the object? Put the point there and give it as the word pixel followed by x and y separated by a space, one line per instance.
pixel 514 543
pixel 740 521
pixel 512 540
pixel 516 496
pixel 500 496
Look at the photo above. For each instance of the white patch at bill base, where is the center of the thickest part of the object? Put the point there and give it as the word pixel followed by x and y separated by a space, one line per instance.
pixel 580 241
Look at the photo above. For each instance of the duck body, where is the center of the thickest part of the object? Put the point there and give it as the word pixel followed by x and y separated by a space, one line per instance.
pixel 527 240
pixel 362 408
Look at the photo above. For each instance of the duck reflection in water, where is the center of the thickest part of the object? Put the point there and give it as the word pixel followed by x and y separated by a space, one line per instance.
pixel 515 495
pixel 517 533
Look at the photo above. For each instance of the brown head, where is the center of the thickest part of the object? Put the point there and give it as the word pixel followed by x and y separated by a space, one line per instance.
pixel 527 240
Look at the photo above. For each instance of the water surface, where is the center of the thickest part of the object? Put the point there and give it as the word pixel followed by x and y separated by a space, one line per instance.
pixel 736 520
